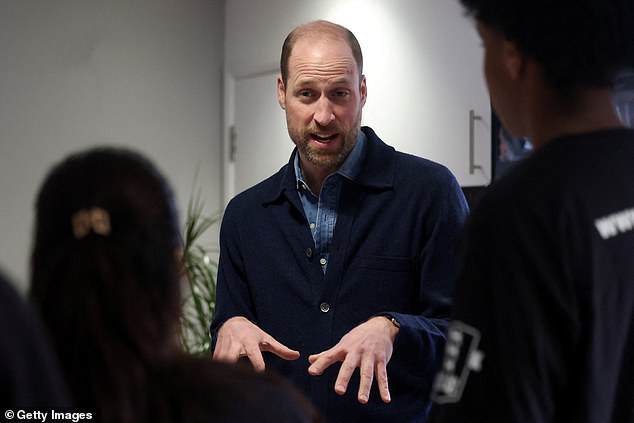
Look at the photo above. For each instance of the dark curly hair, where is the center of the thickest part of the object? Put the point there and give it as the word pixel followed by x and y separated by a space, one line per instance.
pixel 579 43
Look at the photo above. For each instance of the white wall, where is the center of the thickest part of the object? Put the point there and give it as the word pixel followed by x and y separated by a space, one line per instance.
pixel 149 74
pixel 75 73
pixel 422 62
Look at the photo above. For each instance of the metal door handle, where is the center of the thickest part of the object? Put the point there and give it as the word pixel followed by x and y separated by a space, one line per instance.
pixel 472 118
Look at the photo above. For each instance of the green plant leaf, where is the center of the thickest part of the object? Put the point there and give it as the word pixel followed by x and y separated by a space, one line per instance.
pixel 200 273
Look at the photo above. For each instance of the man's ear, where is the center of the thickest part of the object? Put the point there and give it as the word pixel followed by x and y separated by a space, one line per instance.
pixel 514 60
pixel 281 92
pixel 364 91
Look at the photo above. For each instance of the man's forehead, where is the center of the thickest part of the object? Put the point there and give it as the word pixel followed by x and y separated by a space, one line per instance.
pixel 304 80
pixel 305 72
pixel 321 49
pixel 322 62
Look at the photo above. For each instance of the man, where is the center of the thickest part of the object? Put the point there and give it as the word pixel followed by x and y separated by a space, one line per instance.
pixel 543 321
pixel 346 255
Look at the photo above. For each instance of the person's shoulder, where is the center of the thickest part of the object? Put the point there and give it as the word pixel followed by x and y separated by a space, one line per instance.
pixel 261 192
pixel 402 160
pixel 28 362
pixel 568 163
pixel 528 191
pixel 598 150
pixel 19 318
pixel 423 173
pixel 408 161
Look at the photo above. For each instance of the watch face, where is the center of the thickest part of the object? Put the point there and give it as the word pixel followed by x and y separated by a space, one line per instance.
pixel 395 322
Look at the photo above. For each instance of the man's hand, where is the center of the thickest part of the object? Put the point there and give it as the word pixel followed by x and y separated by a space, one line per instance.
pixel 238 337
pixel 369 347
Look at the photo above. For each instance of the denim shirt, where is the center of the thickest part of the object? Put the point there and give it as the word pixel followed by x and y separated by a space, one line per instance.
pixel 321 211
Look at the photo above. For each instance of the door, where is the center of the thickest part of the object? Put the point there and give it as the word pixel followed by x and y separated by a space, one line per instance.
pixel 423 61
pixel 260 144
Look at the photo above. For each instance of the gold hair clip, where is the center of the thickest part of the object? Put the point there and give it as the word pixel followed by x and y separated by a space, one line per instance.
pixel 95 219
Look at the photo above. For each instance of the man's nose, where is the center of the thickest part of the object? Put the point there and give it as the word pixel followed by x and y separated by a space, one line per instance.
pixel 324 113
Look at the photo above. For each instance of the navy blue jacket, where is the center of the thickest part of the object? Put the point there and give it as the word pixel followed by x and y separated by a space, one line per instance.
pixel 393 251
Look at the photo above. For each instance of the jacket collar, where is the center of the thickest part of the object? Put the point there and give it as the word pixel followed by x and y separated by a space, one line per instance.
pixel 377 170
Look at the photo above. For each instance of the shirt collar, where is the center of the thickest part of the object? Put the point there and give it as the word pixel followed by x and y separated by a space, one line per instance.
pixel 350 167
pixel 376 171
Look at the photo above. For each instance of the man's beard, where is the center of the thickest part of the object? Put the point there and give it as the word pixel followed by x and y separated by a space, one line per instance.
pixel 325 160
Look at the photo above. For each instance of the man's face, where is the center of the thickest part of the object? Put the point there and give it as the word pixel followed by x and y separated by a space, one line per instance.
pixel 323 98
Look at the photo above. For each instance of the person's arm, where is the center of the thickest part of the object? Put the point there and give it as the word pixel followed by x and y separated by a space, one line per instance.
pixel 367 347
pixel 233 331
pixel 238 337
pixel 412 344
pixel 511 334
pixel 420 343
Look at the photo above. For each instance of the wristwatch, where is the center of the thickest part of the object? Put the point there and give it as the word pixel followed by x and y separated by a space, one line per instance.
pixel 394 321
pixel 391 319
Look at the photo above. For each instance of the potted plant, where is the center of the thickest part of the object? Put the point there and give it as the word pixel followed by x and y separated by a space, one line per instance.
pixel 200 268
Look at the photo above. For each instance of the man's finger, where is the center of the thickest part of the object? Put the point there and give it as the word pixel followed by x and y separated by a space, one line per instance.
pixel 279 349
pixel 381 380
pixel 227 353
pixel 313 357
pixel 321 362
pixel 255 357
pixel 348 367
pixel 366 373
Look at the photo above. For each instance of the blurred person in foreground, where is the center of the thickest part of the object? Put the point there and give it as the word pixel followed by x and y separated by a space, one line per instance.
pixel 30 375
pixel 105 277
pixel 542 325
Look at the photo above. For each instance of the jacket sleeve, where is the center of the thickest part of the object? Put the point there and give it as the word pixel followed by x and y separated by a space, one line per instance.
pixel 232 290
pixel 420 342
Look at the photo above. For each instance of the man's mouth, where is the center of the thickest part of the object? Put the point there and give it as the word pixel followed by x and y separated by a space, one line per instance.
pixel 324 138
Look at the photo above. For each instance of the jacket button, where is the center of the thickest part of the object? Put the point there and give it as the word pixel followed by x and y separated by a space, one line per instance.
pixel 309 252
pixel 324 307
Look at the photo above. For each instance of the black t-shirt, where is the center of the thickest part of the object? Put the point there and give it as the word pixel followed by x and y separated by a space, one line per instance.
pixel 544 304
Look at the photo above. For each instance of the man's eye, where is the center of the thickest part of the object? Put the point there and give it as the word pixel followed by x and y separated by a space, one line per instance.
pixel 305 94
pixel 341 93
